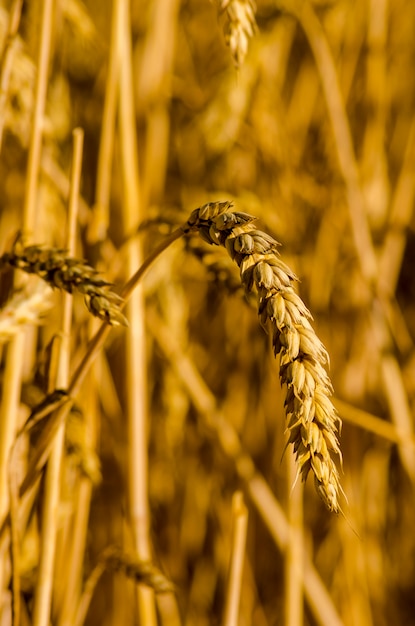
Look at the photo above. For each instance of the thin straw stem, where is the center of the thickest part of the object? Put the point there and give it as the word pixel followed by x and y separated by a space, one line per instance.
pixel 88 592
pixel 7 57
pixel 8 411
pixel 373 424
pixel 37 124
pixel 50 510
pixel 238 543
pixel 136 375
pixel 400 409
pixel 155 83
pixel 79 528
pixel 294 551
pixel 12 399
pixel 81 510
pixel 402 209
pixel 100 217
pixel 50 515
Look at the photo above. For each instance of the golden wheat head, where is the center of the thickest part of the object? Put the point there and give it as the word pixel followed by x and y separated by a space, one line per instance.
pixel 60 271
pixel 312 421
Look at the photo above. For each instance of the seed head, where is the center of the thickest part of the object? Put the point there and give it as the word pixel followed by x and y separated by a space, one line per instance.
pixel 60 271
pixel 312 421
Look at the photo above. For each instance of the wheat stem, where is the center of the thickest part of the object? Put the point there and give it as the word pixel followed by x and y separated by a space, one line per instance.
pixel 50 514
pixel 29 212
pixel 7 57
pixel 88 592
pixel 136 374
pixel 78 540
pixel 11 398
pixel 100 216
pixel 8 408
pixel 293 597
pixel 58 178
pixel 400 409
pixel 373 424
pixel 154 87
pixel 238 542
pixel 401 212
pixel 70 581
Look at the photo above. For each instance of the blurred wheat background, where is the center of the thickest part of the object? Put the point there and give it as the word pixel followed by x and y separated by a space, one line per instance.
pixel 162 493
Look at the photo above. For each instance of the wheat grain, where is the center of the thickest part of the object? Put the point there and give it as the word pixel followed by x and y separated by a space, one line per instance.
pixel 239 27
pixel 312 421
pixel 59 270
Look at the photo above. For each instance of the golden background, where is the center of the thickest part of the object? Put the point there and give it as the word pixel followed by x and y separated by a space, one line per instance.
pixel 305 120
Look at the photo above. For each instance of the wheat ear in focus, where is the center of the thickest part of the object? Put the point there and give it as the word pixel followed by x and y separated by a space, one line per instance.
pixel 312 421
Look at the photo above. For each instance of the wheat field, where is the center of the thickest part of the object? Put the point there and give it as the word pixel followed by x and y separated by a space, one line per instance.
pixel 207 312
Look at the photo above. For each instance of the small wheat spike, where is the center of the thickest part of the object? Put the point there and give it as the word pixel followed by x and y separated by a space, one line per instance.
pixel 312 421
pixel 240 26
pixel 60 271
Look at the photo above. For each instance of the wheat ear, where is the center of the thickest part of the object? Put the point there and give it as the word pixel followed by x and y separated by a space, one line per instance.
pixel 60 270
pixel 239 27
pixel 312 421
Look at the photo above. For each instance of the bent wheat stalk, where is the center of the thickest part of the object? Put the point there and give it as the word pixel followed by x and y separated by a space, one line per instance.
pixel 142 572
pixel 312 421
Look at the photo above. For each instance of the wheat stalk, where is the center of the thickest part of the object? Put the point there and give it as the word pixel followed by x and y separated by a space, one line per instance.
pixel 236 565
pixel 59 270
pixel 312 421
pixel 239 27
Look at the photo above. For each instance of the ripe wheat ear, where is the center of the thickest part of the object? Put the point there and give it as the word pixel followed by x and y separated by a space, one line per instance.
pixel 312 421
pixel 61 271
pixel 240 26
